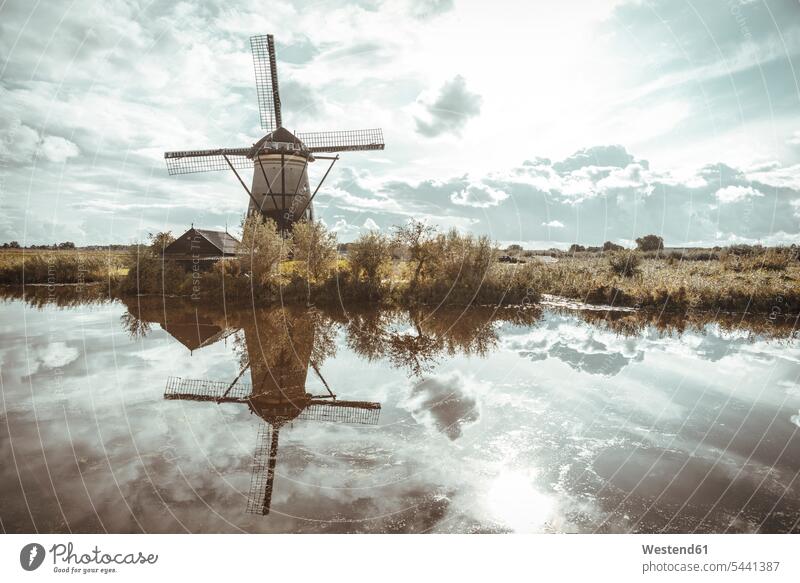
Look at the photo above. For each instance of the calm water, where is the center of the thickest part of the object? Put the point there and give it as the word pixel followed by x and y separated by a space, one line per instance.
pixel 165 417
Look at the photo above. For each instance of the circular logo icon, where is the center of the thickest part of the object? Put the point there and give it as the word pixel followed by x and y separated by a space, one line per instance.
pixel 31 556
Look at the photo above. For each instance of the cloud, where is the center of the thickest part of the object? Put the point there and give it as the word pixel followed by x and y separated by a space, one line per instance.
pixel 298 52
pixel 424 9
pixel 299 100
pixel 58 149
pixel 450 110
pixel 20 143
pixel 342 227
pixel 478 196
pixel 370 225
pixel 188 83
pixel 615 156
pixel 593 351
pixel 445 403
pixel 595 203
pixel 731 194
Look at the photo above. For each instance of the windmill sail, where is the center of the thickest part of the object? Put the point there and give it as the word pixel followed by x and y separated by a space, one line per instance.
pixel 206 390
pixel 269 100
pixel 316 409
pixel 351 412
pixel 262 478
pixel 190 161
pixel 343 141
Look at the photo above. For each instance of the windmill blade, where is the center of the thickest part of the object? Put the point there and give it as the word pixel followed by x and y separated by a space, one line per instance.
pixel 204 390
pixel 352 412
pixel 189 161
pixel 269 100
pixel 262 478
pixel 343 141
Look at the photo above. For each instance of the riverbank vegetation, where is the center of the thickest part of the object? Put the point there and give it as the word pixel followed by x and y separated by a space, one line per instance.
pixel 416 264
pixel 61 266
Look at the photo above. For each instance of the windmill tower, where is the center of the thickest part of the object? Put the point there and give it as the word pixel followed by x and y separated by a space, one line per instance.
pixel 279 160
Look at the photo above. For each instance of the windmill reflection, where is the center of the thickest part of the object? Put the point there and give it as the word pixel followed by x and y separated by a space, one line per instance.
pixel 276 349
pixel 277 406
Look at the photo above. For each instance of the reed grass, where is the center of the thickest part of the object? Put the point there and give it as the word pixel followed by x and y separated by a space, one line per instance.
pixel 57 267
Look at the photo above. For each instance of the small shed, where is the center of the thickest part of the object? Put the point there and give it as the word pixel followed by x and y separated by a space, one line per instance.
pixel 202 246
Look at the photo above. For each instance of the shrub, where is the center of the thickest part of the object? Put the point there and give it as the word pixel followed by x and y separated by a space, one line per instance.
pixel 368 255
pixel 650 243
pixel 419 240
pixel 462 270
pixel 313 244
pixel 624 263
pixel 261 250
pixel 462 259
pixel 610 246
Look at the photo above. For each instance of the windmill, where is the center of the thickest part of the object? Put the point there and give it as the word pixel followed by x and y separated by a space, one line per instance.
pixel 276 408
pixel 279 160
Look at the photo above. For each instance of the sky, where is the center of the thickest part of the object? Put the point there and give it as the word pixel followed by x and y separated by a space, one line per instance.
pixel 540 123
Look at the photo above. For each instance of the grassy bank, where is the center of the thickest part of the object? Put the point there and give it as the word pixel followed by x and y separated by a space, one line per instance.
pixel 63 266
pixel 667 284
pixel 417 265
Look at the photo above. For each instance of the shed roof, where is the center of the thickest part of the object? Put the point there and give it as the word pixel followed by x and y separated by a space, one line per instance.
pixel 222 240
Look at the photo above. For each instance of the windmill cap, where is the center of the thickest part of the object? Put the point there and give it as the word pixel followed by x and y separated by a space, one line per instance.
pixel 280 139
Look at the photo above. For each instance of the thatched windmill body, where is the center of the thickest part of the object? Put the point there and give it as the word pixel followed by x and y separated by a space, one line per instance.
pixel 279 160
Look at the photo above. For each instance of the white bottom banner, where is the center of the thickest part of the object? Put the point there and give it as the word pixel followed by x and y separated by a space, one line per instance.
pixel 332 558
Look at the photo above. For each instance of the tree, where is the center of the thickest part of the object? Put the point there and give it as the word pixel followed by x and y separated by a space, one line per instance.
pixel 610 246
pixel 419 239
pixel 262 248
pixel 514 249
pixel 66 245
pixel 650 243
pixel 14 245
pixel 367 255
pixel 574 248
pixel 160 241
pixel 316 246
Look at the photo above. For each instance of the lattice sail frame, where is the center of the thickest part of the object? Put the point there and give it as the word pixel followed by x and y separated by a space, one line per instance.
pixel 266 70
pixel 343 141
pixel 335 411
pixel 205 390
pixel 192 161
pixel 262 475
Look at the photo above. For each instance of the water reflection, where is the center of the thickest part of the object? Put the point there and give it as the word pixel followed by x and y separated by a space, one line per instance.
pixel 162 415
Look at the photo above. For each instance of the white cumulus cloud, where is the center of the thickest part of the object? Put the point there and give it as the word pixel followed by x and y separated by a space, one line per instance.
pixel 731 194
pixel 58 149
pixel 371 225
pixel 478 196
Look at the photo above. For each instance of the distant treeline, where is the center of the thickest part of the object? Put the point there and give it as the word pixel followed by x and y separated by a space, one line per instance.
pixel 66 245
pixel 652 246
